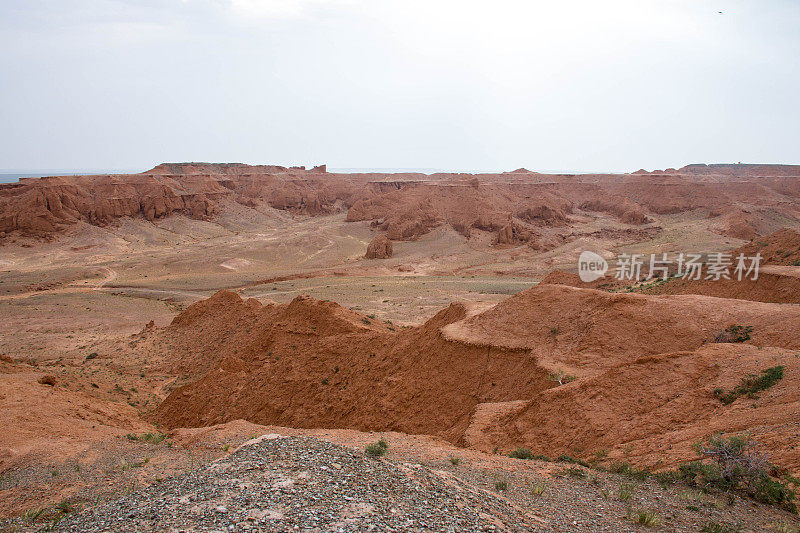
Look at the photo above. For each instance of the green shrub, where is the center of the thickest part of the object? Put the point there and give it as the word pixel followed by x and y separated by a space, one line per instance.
pixel 521 453
pixel 735 333
pixel 454 461
pixel 626 491
pixel 736 463
pixel 751 385
pixel 576 472
pixel 667 477
pixel 501 485
pixel 644 517
pixel 152 438
pixel 65 507
pixel 525 453
pixel 33 514
pixel 626 469
pixel 568 459
pixel 376 449
pixel 561 377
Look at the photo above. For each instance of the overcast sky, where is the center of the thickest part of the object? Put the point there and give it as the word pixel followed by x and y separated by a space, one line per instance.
pixel 559 85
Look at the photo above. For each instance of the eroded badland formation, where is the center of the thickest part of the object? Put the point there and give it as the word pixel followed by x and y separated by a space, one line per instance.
pixel 154 322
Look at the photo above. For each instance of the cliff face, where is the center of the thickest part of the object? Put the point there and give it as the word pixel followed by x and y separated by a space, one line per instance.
pixel 512 205
pixel 41 207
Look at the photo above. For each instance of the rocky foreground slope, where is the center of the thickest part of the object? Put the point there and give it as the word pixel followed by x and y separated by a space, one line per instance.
pixel 290 483
pixel 745 200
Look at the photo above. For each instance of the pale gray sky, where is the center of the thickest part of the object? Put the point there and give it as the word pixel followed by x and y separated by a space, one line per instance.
pixel 576 85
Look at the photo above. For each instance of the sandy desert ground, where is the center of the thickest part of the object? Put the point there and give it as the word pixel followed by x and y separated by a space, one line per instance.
pixel 179 313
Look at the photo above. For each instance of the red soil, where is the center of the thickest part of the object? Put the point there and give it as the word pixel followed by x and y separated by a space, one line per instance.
pixel 311 363
pixel 779 248
pixel 774 284
pixel 646 368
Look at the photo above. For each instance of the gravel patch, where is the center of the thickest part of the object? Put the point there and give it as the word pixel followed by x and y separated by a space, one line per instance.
pixel 303 484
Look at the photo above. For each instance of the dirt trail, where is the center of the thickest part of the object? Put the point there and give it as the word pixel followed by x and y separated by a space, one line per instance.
pixel 85 285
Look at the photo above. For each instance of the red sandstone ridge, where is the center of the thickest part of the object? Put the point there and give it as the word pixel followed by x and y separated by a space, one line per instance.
pixel 43 206
pixel 481 380
pixel 315 364
pixel 379 248
pixel 751 198
pixel 779 248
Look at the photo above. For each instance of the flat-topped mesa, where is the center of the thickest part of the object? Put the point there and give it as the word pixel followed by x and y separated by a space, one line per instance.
pixel 741 169
pixel 215 168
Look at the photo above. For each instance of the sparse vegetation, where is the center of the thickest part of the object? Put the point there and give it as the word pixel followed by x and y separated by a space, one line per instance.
pixel 501 485
pixel 561 377
pixel 64 507
pixel 626 469
pixel 525 453
pixel 644 517
pixel 152 438
pixel 33 514
pixel 600 455
pixel 716 527
pixel 138 464
pixel 734 333
pixel 454 461
pixel 377 449
pixel 784 527
pixel 538 489
pixel 751 385
pixel 736 463
pixel 626 491
pixel 572 460
pixel 521 453
pixel 573 471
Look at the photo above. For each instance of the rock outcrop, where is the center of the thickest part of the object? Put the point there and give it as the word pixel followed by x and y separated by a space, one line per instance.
pixel 379 248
